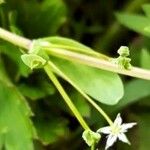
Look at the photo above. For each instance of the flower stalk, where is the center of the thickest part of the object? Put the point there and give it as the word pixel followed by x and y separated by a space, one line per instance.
pixel 66 97
pixel 92 102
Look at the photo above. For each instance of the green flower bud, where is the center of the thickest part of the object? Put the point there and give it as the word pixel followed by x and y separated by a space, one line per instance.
pixel 90 137
pixel 33 61
pixel 123 51
pixel 124 62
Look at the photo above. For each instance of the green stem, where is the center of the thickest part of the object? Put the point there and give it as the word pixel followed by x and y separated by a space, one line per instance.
pixel 98 63
pixel 90 52
pixel 66 97
pixel 15 39
pixel 94 104
pixel 93 147
pixel 77 57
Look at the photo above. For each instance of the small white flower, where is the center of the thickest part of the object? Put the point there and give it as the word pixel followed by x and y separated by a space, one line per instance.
pixel 116 131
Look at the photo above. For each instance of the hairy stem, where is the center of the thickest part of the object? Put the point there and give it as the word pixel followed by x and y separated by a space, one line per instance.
pixel 66 97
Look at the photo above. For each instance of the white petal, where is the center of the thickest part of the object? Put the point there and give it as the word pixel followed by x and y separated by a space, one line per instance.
pixel 126 126
pixel 118 120
pixel 105 130
pixel 122 137
pixel 110 141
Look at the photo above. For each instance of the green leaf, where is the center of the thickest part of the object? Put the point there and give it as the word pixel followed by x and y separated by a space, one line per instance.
pixel 105 87
pixel 14 54
pixel 144 132
pixel 71 45
pixel 2 1
pixel 12 17
pixel 134 91
pixel 146 8
pixel 16 130
pixel 43 18
pixel 145 59
pixel 140 24
pixel 81 104
pixel 1 140
pixel 14 120
pixel 38 91
pixel 51 131
pixel 54 10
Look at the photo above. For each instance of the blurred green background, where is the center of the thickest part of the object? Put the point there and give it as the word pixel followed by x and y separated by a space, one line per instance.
pixel 100 24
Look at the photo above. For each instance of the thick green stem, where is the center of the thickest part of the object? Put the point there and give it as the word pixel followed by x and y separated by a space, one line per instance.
pixel 98 63
pixel 15 39
pixel 66 97
pixel 77 57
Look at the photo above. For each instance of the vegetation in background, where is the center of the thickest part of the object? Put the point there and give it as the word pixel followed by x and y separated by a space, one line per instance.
pixel 32 113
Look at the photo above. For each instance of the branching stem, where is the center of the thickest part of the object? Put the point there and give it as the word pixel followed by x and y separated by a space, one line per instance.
pixel 99 63
pixel 66 97
pixel 92 102
pixel 77 57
